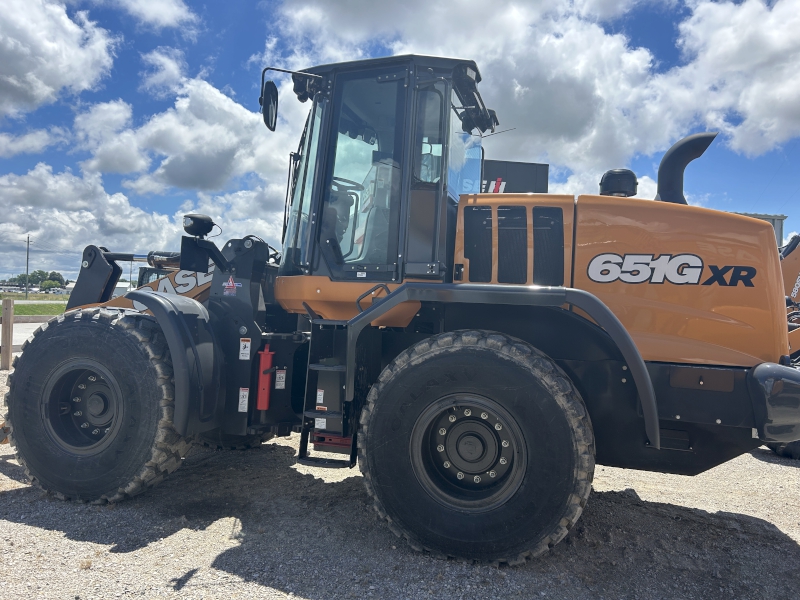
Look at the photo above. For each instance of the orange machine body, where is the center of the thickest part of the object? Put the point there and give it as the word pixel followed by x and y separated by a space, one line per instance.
pixel 719 303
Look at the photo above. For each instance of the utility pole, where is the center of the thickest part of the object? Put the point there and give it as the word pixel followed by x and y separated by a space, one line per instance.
pixel 27 262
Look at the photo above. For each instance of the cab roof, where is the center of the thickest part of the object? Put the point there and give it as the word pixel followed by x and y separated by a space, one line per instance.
pixel 420 60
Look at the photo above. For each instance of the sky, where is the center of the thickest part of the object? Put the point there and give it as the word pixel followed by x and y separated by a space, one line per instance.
pixel 119 116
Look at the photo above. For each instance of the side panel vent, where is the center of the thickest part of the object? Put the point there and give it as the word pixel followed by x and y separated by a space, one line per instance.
pixel 548 245
pixel 478 242
pixel 512 244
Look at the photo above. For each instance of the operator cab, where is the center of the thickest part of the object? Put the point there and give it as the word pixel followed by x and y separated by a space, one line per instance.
pixel 388 147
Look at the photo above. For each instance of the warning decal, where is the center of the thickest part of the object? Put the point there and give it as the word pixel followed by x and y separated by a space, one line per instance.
pixel 320 396
pixel 320 423
pixel 280 379
pixel 244 394
pixel 244 348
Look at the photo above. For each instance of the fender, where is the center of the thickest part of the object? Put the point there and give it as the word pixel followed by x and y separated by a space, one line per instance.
pixel 521 295
pixel 196 359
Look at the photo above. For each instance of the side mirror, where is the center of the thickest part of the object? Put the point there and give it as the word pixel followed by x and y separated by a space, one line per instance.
pixel 269 104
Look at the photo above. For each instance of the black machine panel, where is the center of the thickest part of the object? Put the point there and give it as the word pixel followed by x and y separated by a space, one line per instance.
pixel 478 242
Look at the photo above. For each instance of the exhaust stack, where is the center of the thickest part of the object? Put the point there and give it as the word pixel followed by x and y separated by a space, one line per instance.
pixel 670 171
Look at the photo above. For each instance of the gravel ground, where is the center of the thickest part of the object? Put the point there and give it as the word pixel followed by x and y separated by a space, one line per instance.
pixel 255 525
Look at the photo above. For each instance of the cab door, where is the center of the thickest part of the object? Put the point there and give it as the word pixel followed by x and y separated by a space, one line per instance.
pixel 359 218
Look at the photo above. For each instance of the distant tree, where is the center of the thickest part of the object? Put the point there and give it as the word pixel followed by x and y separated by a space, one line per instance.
pixel 36 277
pixel 48 285
pixel 56 276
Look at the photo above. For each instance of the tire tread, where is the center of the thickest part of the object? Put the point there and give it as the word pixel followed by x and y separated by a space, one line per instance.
pixel 169 447
pixel 542 367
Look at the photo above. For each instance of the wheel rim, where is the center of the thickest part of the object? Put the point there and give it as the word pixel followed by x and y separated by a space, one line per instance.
pixel 468 453
pixel 81 407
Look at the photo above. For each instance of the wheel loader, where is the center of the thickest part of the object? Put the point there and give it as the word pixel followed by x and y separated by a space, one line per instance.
pixel 476 355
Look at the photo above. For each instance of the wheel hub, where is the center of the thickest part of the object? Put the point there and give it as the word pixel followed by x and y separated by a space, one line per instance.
pixel 470 448
pixel 467 451
pixel 81 409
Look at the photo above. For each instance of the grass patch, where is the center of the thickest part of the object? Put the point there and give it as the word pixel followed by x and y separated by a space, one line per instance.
pixel 21 296
pixel 38 309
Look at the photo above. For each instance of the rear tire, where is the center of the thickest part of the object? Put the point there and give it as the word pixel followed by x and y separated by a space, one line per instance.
pixel 475 445
pixel 787 450
pixel 90 406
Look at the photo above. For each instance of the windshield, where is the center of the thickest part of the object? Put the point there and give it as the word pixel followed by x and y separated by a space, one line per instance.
pixel 362 200
pixel 295 247
pixel 464 160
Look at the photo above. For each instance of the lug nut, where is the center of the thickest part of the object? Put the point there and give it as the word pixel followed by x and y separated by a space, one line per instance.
pixel 446 464
pixel 505 443
pixel 503 460
pixel 467 412
pixel 452 418
pixel 477 479
pixel 492 474
pixel 460 475
pixel 442 431
pixel 84 425
pixel 77 413
pixel 107 430
pixel 440 448
pixel 76 399
pixel 95 432
pixel 498 426
pixel 92 378
pixel 484 416
pixel 81 386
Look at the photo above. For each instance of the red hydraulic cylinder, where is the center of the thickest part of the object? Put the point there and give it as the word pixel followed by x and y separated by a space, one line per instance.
pixel 264 378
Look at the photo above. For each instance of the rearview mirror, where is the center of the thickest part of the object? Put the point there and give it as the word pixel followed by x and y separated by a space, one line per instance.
pixel 269 104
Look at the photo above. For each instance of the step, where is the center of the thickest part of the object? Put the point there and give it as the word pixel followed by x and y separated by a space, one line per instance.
pixel 329 322
pixel 325 463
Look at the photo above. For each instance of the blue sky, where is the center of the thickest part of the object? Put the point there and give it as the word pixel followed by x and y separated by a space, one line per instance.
pixel 118 116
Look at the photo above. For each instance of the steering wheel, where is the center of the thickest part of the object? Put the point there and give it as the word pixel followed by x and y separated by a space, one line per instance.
pixel 340 184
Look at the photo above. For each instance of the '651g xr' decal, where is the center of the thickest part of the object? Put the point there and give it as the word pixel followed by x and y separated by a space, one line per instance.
pixel 679 269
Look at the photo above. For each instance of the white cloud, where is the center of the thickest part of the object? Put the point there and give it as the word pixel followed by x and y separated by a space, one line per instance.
pixel 69 212
pixel 204 142
pixel 579 97
pixel 29 143
pixel 743 71
pixel 43 51
pixel 66 212
pixel 157 13
pixel 166 71
pixel 105 131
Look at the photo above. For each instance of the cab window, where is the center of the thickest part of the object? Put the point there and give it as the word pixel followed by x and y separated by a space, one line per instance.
pixel 359 218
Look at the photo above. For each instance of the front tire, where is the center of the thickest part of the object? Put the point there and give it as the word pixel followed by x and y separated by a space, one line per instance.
pixel 90 406
pixel 476 445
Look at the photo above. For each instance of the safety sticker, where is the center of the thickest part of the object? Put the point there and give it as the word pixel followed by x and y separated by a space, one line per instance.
pixel 320 396
pixel 280 379
pixel 320 423
pixel 229 287
pixel 361 273
pixel 322 408
pixel 244 348
pixel 244 394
